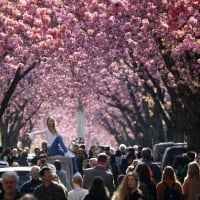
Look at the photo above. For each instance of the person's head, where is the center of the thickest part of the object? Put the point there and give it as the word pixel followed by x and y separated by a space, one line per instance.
pixel 193 171
pixel 92 150
pixel 122 148
pixel 9 182
pixel 144 172
pixel 77 181
pixel 102 159
pixel 28 197
pixel 107 150
pixel 51 123
pixel 58 164
pixel 168 173
pixel 75 147
pixel 36 151
pixel 131 150
pixel 27 149
pixel 98 188
pixel 93 162
pixel 24 154
pixel 55 178
pixel 85 163
pixel 35 172
pixel 44 146
pixel 146 153
pixel 191 155
pixel 15 164
pixel 118 153
pixel 97 182
pixel 130 168
pixel 46 174
pixel 6 151
pixel 80 153
pixel 42 160
pixel 130 183
pixel 14 152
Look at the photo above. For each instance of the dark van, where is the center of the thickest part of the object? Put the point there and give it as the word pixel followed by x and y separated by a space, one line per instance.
pixel 172 152
pixel 159 149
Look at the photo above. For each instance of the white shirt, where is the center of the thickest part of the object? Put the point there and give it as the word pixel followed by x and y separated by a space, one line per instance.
pixel 49 136
pixel 77 194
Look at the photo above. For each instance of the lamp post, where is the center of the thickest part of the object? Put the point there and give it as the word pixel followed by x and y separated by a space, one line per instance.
pixel 80 123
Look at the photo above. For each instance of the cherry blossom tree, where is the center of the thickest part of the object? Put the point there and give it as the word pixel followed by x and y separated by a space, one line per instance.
pixel 152 44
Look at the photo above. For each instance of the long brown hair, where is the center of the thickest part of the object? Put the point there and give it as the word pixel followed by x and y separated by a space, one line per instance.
pixel 144 172
pixel 169 173
pixel 193 171
pixel 123 189
pixel 53 128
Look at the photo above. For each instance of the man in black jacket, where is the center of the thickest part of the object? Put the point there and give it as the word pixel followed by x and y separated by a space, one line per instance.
pixel 147 158
pixel 29 186
pixel 49 190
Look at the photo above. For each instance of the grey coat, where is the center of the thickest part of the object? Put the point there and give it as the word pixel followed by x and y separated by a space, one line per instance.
pixel 107 176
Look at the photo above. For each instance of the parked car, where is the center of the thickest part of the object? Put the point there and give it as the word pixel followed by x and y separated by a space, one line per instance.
pixel 3 164
pixel 23 173
pixel 172 152
pixel 159 149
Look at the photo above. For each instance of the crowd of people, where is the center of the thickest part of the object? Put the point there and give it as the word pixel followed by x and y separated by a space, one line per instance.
pixel 102 173
pixel 99 173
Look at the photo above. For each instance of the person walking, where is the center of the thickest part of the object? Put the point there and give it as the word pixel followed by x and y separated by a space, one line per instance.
pixel 147 158
pixel 97 190
pixel 29 186
pixel 100 170
pixel 128 189
pixel 78 192
pixel 9 186
pixel 169 185
pixel 147 184
pixel 191 185
pixel 49 190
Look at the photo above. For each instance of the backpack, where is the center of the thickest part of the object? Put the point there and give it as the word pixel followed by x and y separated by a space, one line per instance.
pixel 181 172
pixel 171 193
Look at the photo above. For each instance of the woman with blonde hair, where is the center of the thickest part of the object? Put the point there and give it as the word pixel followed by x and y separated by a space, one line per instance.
pixel 56 144
pixel 128 189
pixel 169 180
pixel 191 185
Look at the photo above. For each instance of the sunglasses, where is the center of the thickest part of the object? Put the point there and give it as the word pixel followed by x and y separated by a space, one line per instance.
pixel 34 172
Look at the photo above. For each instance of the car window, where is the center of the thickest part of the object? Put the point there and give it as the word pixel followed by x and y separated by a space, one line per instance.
pixel 23 177
pixel 171 153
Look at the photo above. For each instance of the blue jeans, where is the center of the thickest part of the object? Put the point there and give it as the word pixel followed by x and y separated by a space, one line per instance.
pixel 58 147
